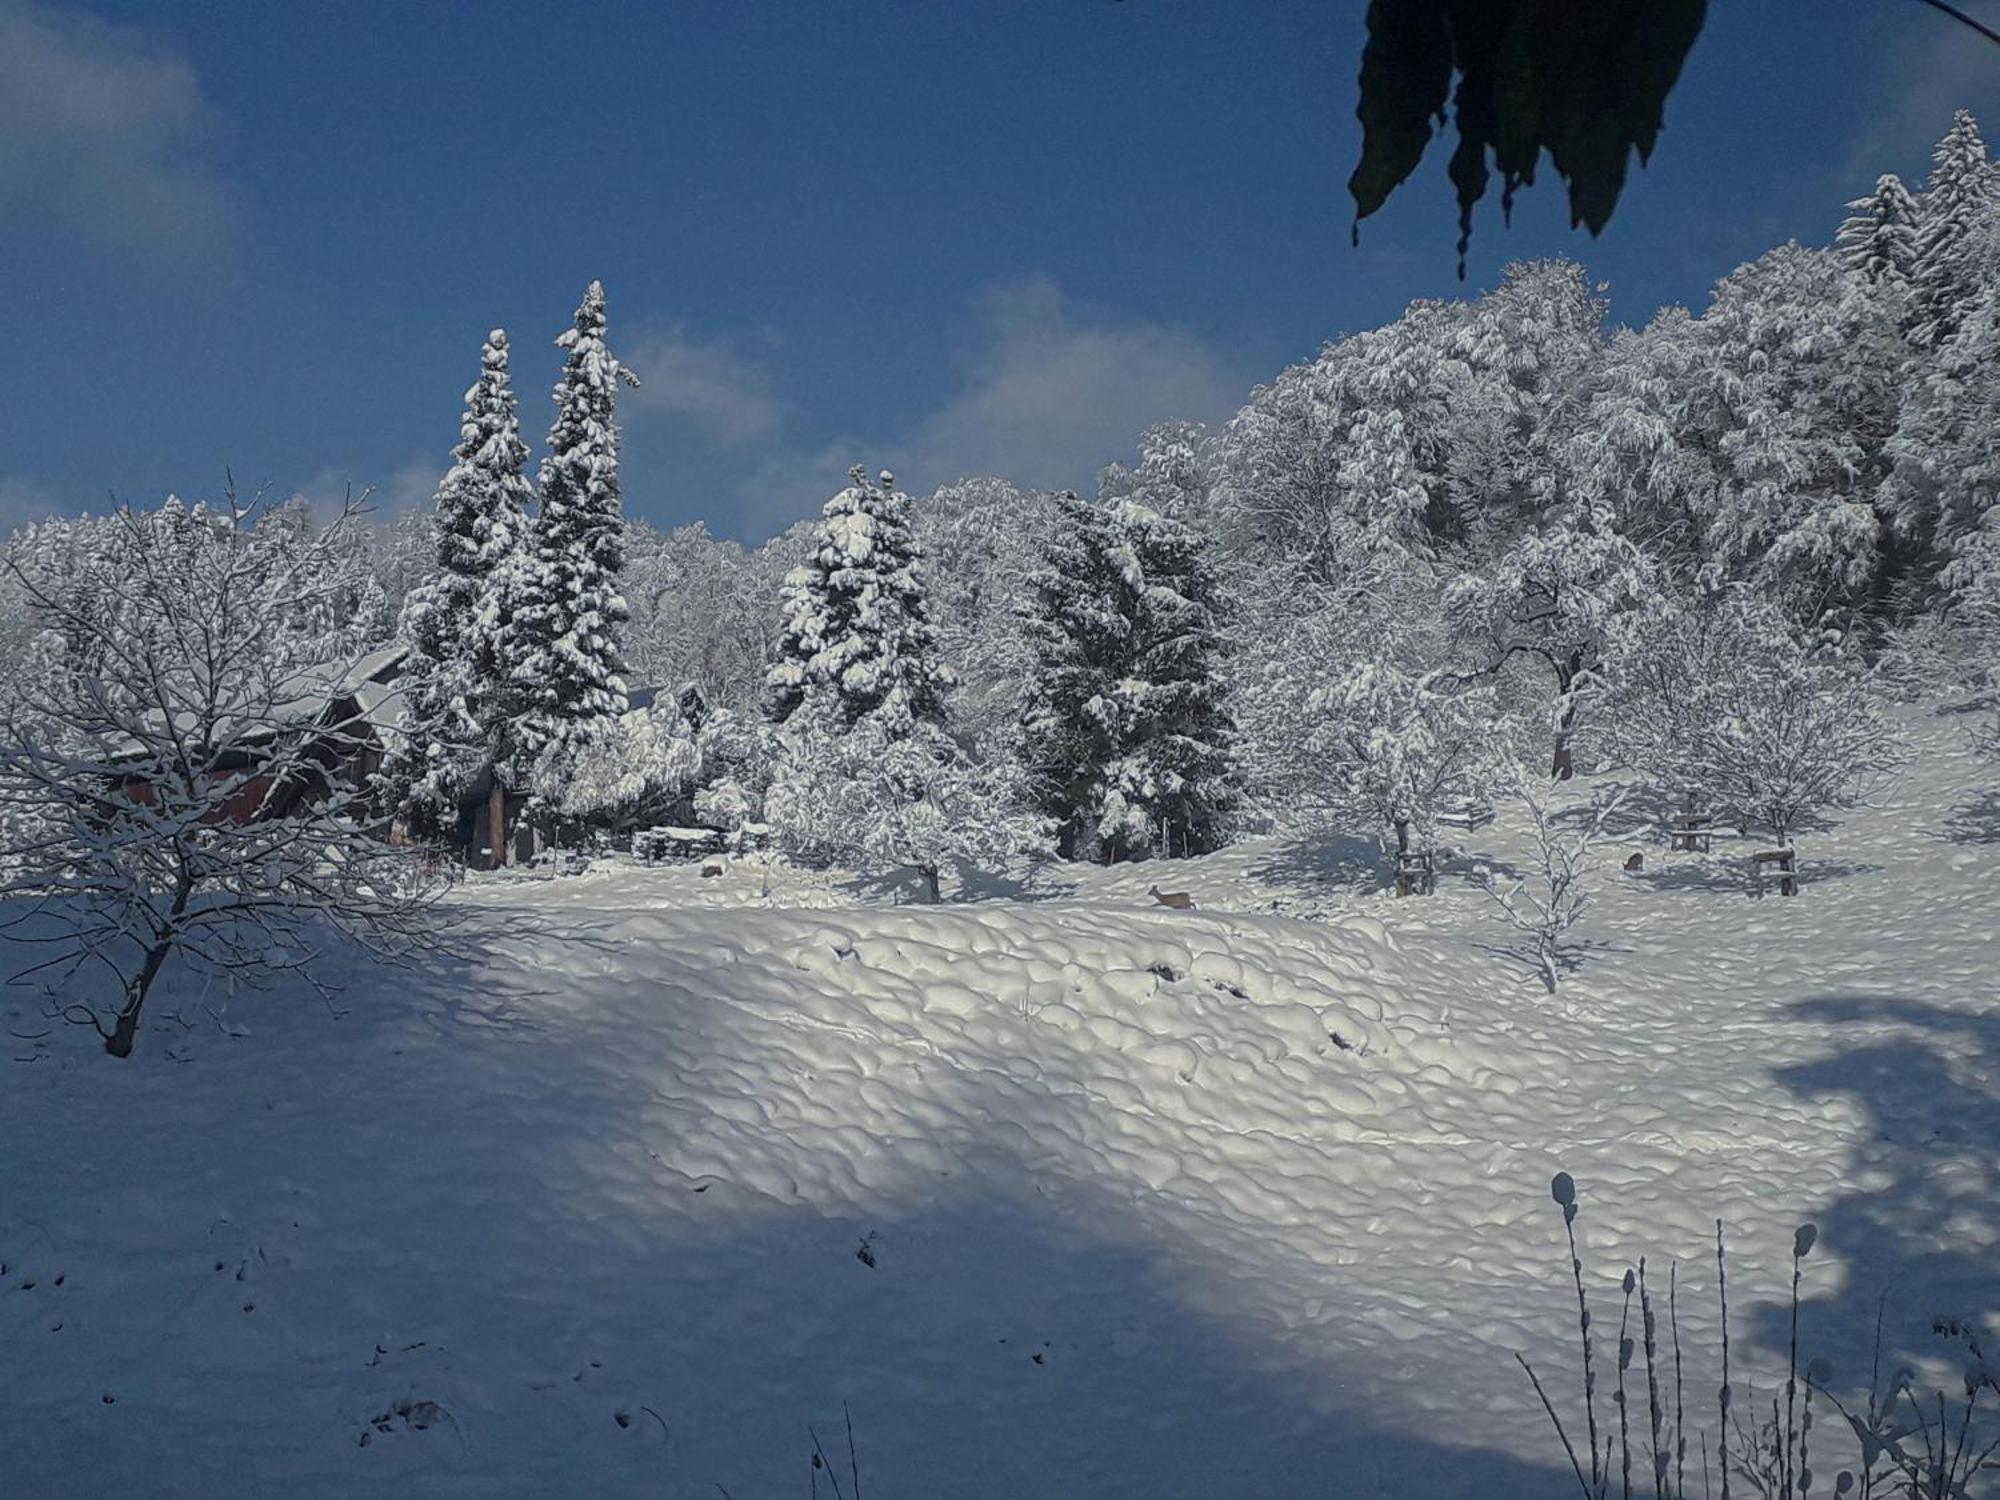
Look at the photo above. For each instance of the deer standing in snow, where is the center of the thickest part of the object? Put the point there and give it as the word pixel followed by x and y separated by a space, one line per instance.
pixel 1178 900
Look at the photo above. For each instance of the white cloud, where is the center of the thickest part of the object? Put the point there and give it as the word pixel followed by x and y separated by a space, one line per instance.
pixel 727 397
pixel 1047 399
pixel 102 132
pixel 1042 397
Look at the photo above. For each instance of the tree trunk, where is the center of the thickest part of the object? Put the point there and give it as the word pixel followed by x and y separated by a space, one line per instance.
pixel 496 822
pixel 126 1029
pixel 930 874
pixel 1562 767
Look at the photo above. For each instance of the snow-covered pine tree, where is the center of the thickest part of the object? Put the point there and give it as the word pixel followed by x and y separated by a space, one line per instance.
pixel 457 680
pixel 1124 728
pixel 1877 242
pixel 858 639
pixel 565 600
pixel 1954 214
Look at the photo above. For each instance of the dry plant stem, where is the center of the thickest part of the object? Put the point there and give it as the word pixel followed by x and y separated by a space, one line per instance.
pixel 1722 1395
pixel 1680 1403
pixel 1624 1417
pixel 1654 1415
pixel 1549 1407
pixel 1597 1477
pixel 853 1460
pixel 1787 1454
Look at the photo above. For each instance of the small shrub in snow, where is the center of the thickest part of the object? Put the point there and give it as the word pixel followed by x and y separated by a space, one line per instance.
pixel 878 801
pixel 1546 901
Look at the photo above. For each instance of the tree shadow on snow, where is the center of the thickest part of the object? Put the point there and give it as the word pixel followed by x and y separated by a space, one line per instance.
pixel 1327 859
pixel 1920 1219
pixel 544 1231
pixel 1975 822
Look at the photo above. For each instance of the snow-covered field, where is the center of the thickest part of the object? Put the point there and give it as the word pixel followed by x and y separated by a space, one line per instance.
pixel 1058 1193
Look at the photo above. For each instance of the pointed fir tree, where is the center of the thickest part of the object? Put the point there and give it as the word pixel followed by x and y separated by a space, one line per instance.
pixel 1958 204
pixel 1124 728
pixel 1878 240
pixel 857 638
pixel 565 602
pixel 456 682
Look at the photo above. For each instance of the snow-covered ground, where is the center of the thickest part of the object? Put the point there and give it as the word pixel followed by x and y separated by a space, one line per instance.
pixel 1057 1192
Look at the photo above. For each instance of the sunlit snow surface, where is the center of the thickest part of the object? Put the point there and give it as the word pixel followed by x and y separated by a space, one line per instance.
pixel 1248 1201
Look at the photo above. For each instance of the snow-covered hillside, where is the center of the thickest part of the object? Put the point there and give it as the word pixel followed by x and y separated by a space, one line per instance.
pixel 1060 1193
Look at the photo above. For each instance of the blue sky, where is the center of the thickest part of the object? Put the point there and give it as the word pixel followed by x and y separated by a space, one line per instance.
pixel 946 236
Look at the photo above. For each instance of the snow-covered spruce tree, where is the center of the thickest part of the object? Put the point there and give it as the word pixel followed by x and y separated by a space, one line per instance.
pixel 458 681
pixel 1124 729
pixel 1551 598
pixel 1953 218
pixel 878 798
pixel 561 639
pixel 857 638
pixel 165 791
pixel 1877 242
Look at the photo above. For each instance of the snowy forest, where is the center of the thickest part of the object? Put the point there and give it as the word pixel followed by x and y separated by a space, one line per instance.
pixel 1491 534
pixel 1496 558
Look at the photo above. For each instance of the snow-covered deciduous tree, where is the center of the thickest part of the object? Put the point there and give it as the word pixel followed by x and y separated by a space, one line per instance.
pixel 1173 474
pixel 1401 747
pixel 1719 701
pixel 1947 446
pixel 704 614
pixel 739 753
pixel 1785 736
pixel 1552 598
pixel 857 640
pixel 878 799
pixel 1548 899
pixel 1125 731
pixel 176 788
pixel 459 680
pixel 635 774
pixel 564 601
pixel 981 540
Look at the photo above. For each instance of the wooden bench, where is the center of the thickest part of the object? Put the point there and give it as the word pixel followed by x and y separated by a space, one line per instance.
pixel 655 844
pixel 1471 816
pixel 1692 831
pixel 1782 866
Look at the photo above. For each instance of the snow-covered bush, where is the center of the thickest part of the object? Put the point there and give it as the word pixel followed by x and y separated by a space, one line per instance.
pixel 633 775
pixel 171 770
pixel 878 801
pixel 1783 736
